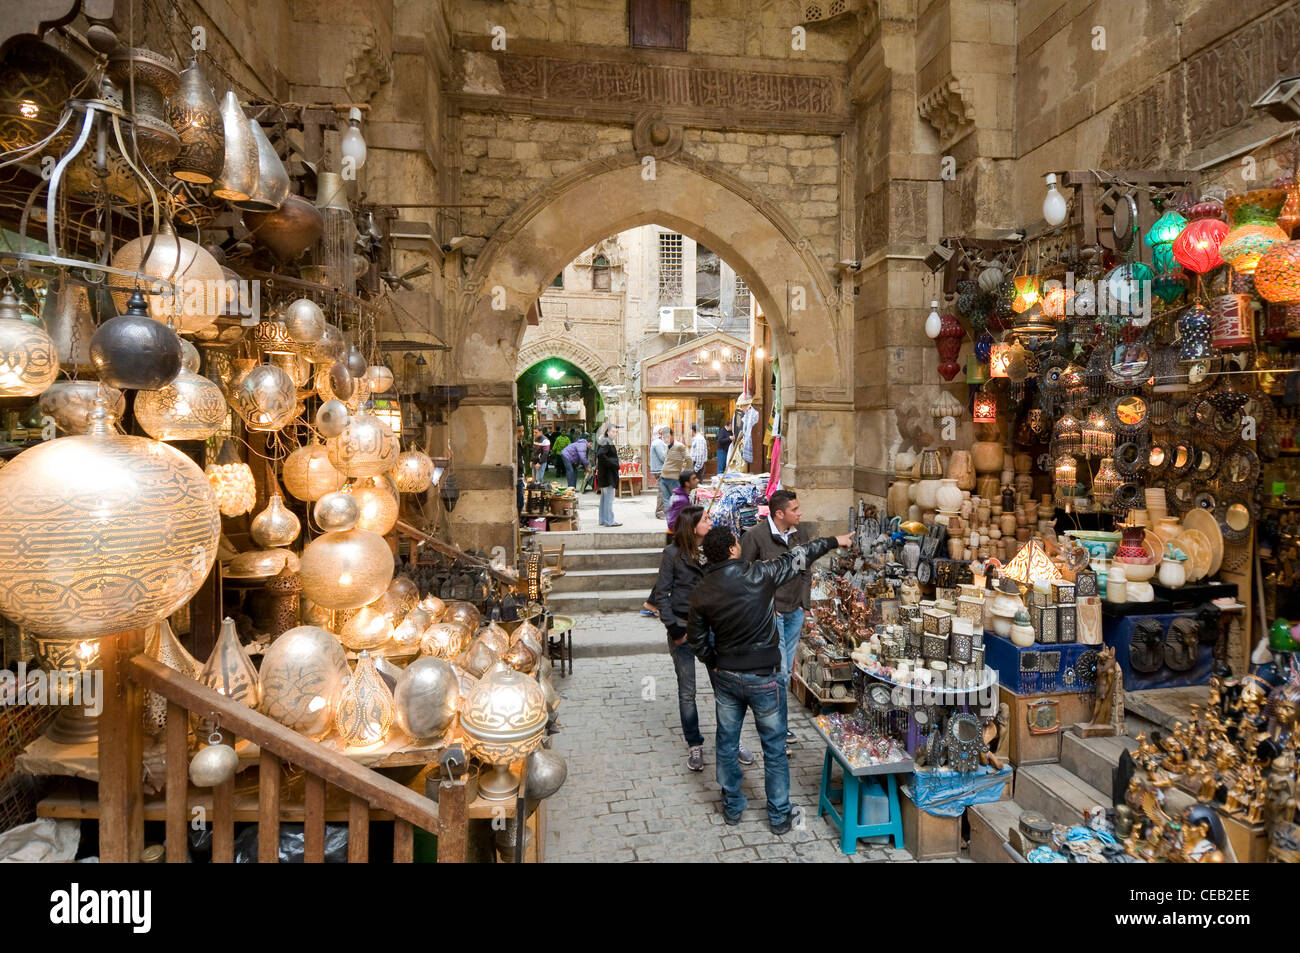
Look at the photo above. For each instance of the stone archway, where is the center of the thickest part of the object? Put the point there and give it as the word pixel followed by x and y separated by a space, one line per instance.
pixel 810 322
pixel 569 350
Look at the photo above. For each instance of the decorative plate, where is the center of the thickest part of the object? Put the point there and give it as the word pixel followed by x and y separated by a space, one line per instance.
pixel 1204 521
pixel 1199 554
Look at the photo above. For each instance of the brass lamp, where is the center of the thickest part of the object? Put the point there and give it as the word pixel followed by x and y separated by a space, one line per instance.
pixel 67 660
pixel 504 719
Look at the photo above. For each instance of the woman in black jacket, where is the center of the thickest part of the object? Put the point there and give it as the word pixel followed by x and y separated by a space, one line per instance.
pixel 680 568
pixel 607 473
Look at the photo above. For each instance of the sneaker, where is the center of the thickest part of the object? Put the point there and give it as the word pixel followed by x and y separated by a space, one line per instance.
pixel 745 756
pixel 783 827
pixel 790 738
pixel 696 760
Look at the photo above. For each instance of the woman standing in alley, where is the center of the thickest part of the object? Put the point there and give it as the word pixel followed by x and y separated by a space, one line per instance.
pixel 607 472
pixel 680 567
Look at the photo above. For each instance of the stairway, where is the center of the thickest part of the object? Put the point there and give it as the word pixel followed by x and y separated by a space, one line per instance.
pixel 1060 792
pixel 605 571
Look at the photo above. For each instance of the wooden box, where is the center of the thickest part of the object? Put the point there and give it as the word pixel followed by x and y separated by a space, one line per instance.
pixel 928 837
pixel 562 524
pixel 1249 841
pixel 1027 747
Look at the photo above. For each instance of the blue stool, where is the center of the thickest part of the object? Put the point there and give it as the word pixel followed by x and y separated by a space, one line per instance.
pixel 855 790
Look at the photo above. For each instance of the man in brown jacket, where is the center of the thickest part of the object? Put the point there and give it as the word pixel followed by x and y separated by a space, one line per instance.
pixel 771 539
pixel 676 459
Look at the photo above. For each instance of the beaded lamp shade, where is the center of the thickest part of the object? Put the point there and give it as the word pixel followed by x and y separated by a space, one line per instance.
pixel 1197 247
pixel 1105 483
pixel 1067 435
pixel 1065 478
pixel 1256 207
pixel 1277 276
pixel 1098 438
pixel 101 532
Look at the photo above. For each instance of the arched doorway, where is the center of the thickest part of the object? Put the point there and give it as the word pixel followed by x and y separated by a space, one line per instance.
pixel 559 397
pixel 810 321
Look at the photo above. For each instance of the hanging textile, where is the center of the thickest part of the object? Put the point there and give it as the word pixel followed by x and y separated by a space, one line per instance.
pixel 747 430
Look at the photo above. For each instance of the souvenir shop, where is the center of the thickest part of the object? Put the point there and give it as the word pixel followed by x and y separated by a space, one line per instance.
pixel 225 487
pixel 1064 637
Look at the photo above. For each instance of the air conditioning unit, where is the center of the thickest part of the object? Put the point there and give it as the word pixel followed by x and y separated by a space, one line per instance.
pixel 676 319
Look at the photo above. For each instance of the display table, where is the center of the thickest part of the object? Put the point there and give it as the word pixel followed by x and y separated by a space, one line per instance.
pixel 855 793
pixel 907 696
pixel 559 642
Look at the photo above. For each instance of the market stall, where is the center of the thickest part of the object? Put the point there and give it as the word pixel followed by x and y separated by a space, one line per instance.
pixel 219 492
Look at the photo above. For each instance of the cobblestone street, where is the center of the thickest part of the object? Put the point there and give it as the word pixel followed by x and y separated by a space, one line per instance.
pixel 629 796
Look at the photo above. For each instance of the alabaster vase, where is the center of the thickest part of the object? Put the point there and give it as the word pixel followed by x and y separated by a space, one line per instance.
pixel 101 533
pixel 302 675
pixel 961 467
pixel 345 570
pixel 503 719
pixel 365 710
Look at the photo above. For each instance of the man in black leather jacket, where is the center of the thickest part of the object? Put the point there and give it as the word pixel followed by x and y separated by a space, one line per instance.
pixel 734 602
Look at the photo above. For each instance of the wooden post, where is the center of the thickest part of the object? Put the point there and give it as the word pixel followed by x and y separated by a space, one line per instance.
pixel 121 752
pixel 453 828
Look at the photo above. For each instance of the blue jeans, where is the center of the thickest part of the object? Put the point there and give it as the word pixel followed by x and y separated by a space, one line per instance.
pixel 734 692
pixel 571 471
pixel 788 626
pixel 606 506
pixel 684 664
pixel 666 487
pixel 722 462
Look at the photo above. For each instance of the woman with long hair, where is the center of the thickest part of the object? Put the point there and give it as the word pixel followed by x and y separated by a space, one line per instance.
pixel 680 568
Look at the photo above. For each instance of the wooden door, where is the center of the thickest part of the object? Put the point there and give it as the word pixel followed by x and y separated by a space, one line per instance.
pixel 658 24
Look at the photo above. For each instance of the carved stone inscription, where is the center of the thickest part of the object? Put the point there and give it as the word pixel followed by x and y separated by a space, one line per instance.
pixel 641 84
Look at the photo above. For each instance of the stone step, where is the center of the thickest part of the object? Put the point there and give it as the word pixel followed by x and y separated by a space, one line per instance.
pixel 611 600
pixel 1057 794
pixel 643 557
pixel 580 540
pixel 604 580
pixel 989 824
pixel 1094 759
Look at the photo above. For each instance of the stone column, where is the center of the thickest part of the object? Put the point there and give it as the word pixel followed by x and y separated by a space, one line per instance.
pixel 482 431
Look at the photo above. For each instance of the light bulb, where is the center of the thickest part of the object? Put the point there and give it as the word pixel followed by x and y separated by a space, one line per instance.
pixel 759 354
pixel 353 144
pixel 934 323
pixel 1054 207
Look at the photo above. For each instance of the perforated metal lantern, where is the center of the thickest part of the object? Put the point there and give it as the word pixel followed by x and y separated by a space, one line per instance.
pixel 191 280
pixel 308 473
pixel 29 361
pixel 101 533
pixel 345 570
pixel 302 676
pixel 366 447
pixel 189 408
pixel 135 352
pixel 503 719
pixel 414 470
pixel 266 398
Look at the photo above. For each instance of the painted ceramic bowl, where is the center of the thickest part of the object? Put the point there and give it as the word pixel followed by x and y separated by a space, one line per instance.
pixel 1098 544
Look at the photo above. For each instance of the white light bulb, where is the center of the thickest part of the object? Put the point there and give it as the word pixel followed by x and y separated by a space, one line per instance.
pixel 934 323
pixel 353 144
pixel 1054 206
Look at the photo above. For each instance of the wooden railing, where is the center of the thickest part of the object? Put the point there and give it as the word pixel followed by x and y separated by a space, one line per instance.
pixel 128 673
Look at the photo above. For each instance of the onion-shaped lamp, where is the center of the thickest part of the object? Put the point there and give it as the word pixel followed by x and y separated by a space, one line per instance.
pixel 1197 247
pixel 503 719
pixel 134 352
pixel 366 711
pixel 1161 236
pixel 266 398
pixel 308 473
pixel 346 570
pixel 305 322
pixel 101 533
pixel 366 447
pixel 276 525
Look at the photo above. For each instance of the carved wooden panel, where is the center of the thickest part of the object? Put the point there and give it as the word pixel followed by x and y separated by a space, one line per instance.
pixel 658 24
pixel 36 16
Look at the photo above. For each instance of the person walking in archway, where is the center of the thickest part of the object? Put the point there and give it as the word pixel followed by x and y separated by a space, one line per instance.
pixel 680 567
pixel 607 472
pixel 541 453
pixel 731 628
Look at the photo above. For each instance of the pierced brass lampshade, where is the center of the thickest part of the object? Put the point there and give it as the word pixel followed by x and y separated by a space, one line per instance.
pixel 29 361
pixel 302 676
pixel 276 525
pixel 191 279
pixel 366 711
pixel 504 719
pixel 308 473
pixel 378 506
pixel 413 472
pixel 272 186
pixel 266 398
pixel 102 533
pixel 239 168
pixel 366 447
pixel 189 408
pixel 194 114
pixel 346 570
